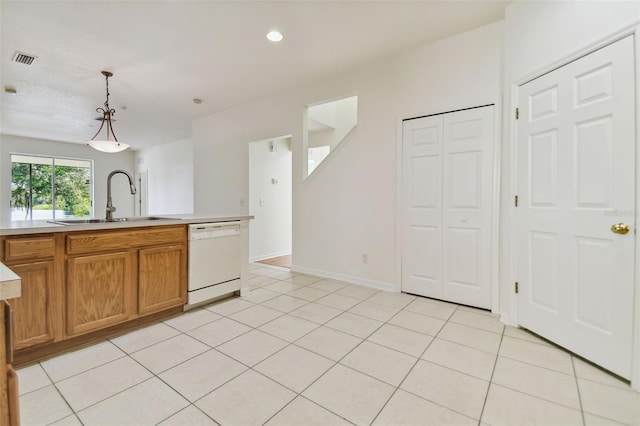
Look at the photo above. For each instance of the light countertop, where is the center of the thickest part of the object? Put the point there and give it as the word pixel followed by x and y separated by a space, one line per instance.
pixel 43 226
pixel 9 283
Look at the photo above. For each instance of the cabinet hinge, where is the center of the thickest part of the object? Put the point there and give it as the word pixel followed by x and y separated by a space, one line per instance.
pixel 517 113
pixel 516 287
pixel 515 201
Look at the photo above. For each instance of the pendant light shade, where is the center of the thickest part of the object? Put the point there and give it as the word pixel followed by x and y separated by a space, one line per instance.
pixel 109 143
pixel 107 146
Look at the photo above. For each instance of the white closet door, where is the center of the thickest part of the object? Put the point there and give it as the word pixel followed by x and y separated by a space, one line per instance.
pixel 576 178
pixel 447 196
pixel 467 191
pixel 422 206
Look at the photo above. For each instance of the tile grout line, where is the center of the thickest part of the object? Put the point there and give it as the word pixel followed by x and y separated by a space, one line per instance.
pixel 185 333
pixel 419 358
pixel 536 365
pixel 191 404
pixel 300 394
pixel 493 370
pixel 318 325
pixel 575 374
pixel 153 374
pixel 61 396
pixel 79 349
pixel 362 340
pixel 251 368
pixel 157 376
pixel 537 397
pixel 125 354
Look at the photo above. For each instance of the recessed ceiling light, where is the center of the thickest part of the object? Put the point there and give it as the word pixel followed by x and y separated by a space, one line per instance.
pixel 274 36
pixel 197 101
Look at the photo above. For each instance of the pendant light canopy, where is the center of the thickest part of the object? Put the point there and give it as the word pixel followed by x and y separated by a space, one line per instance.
pixel 110 143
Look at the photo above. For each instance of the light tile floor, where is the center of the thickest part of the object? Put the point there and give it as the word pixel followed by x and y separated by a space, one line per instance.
pixel 301 350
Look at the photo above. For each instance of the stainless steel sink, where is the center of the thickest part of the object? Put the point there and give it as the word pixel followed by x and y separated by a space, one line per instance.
pixel 114 220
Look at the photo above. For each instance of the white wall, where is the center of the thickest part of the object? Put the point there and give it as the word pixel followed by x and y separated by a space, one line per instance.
pixel 270 230
pixel 351 207
pixel 103 164
pixel 169 170
pixel 538 35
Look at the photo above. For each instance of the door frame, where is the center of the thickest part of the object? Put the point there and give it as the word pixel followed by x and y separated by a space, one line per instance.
pixel 509 308
pixel 495 202
pixel 250 203
pixel 141 201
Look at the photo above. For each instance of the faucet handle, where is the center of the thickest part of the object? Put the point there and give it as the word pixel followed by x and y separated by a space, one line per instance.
pixel 111 209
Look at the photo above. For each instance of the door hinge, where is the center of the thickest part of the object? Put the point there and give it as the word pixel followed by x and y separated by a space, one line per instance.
pixel 516 287
pixel 517 113
pixel 515 200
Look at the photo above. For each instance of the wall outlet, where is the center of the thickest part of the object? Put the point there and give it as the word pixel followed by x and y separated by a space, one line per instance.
pixel 365 258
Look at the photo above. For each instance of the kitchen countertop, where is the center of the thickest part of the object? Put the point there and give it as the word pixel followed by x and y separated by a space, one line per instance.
pixel 43 226
pixel 9 283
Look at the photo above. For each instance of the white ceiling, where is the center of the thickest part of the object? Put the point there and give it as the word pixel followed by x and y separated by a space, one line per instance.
pixel 165 53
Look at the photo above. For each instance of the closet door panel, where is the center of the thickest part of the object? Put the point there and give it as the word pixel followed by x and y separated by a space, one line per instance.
pixel 422 207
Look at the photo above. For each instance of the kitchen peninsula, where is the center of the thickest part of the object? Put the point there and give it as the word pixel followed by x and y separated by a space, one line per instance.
pixel 83 282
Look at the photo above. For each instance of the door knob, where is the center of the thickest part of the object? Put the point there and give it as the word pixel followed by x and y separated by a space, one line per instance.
pixel 620 228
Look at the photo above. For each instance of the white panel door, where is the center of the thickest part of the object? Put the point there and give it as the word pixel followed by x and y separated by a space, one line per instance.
pixel 576 178
pixel 447 196
pixel 422 206
pixel 467 197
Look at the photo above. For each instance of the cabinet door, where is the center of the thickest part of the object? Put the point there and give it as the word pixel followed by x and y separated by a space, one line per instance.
pixel 33 311
pixel 162 278
pixel 99 291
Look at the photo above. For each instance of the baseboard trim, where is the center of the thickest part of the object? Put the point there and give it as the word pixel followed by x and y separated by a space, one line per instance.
pixel 506 319
pixel 269 256
pixel 351 279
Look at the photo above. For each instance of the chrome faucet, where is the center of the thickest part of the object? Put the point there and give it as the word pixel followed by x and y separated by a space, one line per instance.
pixel 110 208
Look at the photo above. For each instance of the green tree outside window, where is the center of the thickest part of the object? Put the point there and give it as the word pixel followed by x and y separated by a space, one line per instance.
pixel 49 188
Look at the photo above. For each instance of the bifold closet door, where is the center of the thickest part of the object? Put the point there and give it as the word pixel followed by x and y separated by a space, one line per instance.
pixel 447 206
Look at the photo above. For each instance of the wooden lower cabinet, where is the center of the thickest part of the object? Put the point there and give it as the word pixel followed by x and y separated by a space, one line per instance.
pixel 34 310
pixel 161 278
pixel 99 291
pixel 77 283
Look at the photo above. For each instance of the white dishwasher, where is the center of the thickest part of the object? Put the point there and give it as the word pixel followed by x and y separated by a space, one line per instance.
pixel 214 261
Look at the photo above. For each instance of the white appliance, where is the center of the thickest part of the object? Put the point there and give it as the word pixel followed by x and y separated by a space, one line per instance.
pixel 214 261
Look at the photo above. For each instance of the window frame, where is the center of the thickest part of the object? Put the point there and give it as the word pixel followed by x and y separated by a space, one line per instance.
pixel 53 159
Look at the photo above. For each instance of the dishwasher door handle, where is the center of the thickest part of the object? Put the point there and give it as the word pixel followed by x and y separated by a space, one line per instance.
pixel 208 231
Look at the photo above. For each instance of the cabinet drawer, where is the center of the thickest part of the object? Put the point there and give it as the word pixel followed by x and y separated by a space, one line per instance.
pixel 29 248
pixel 80 243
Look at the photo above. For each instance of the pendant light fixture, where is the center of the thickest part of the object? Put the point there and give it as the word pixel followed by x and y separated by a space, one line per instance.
pixel 109 144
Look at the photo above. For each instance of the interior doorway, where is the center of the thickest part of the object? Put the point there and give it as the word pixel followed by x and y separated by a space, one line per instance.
pixel 270 201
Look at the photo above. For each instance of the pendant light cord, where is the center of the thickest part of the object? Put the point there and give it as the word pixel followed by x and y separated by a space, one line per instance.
pixel 106 103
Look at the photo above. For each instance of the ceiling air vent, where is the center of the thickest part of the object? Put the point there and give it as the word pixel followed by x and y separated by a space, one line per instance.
pixel 23 58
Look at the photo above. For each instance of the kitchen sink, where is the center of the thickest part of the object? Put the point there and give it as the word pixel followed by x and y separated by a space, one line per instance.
pixel 114 220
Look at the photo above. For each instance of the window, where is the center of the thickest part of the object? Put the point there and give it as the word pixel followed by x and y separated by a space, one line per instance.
pixel 45 188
